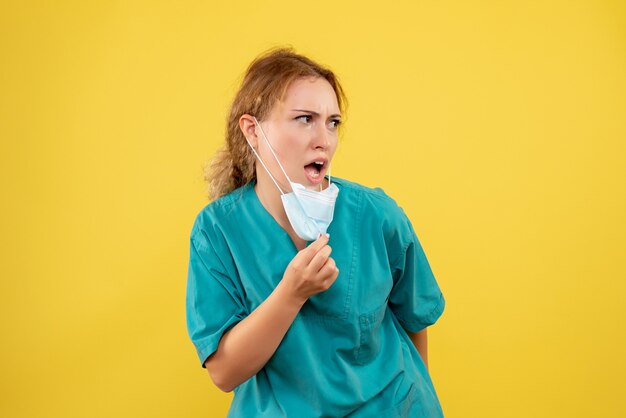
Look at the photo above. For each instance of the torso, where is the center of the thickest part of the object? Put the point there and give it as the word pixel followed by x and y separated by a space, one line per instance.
pixel 345 352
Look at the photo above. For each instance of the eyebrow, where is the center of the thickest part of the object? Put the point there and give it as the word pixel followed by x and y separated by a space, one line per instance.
pixel 315 113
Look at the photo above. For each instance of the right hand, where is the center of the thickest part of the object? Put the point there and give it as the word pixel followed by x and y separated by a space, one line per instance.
pixel 311 271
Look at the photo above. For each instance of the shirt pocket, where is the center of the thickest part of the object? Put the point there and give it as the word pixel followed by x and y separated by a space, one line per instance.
pixel 337 302
pixel 402 409
pixel 370 334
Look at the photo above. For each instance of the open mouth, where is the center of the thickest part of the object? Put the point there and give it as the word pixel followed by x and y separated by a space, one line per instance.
pixel 315 171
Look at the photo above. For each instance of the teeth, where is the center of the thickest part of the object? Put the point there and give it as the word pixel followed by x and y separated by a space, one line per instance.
pixel 315 175
pixel 319 162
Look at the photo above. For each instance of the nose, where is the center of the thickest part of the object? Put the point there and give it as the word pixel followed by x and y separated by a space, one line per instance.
pixel 321 138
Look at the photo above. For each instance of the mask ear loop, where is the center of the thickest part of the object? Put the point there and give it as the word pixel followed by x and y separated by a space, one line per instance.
pixel 272 150
pixel 264 166
pixel 321 184
pixel 329 180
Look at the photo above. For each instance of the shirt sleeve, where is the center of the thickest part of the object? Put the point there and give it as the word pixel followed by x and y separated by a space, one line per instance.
pixel 213 302
pixel 415 298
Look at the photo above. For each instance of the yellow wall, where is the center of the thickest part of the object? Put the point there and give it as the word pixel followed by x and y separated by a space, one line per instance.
pixel 498 126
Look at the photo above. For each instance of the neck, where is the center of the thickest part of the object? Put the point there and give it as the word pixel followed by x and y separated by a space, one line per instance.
pixel 269 196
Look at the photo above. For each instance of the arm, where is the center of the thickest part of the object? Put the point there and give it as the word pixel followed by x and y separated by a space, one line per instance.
pixel 244 349
pixel 420 340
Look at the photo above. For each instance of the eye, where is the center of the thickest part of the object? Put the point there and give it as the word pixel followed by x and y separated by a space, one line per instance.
pixel 336 123
pixel 304 118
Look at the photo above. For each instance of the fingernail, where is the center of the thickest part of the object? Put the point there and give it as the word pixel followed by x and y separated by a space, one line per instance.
pixel 328 236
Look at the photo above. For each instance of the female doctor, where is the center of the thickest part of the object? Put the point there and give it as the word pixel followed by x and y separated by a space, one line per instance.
pixel 307 295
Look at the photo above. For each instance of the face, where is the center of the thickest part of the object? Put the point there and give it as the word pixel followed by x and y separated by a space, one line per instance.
pixel 302 130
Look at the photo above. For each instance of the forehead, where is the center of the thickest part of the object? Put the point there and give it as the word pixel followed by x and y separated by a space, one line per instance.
pixel 313 93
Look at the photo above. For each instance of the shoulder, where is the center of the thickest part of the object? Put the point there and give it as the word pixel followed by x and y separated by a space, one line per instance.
pixel 374 200
pixel 215 214
pixel 380 212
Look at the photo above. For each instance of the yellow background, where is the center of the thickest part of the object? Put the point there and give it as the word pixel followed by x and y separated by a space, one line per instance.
pixel 498 126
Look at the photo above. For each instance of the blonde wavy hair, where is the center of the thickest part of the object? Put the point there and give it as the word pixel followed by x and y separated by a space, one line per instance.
pixel 265 82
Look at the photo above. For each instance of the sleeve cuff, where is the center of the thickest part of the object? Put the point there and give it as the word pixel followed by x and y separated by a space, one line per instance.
pixel 416 325
pixel 209 344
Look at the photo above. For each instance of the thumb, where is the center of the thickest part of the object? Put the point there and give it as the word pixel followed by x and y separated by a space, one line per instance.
pixel 309 252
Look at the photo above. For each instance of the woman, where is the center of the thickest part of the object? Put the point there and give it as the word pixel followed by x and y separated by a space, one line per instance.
pixel 306 292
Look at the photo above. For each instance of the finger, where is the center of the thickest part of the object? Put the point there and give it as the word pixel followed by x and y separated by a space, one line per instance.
pixel 320 259
pixel 328 282
pixel 309 252
pixel 328 269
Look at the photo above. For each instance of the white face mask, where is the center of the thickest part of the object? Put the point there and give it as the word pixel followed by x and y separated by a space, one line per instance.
pixel 309 212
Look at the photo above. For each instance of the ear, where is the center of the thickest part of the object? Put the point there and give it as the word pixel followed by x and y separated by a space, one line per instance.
pixel 248 127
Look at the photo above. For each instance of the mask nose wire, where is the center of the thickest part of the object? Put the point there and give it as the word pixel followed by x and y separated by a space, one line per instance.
pixel 272 150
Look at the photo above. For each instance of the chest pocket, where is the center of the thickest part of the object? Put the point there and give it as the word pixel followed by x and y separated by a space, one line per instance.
pixel 345 234
pixel 364 281
pixel 370 335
